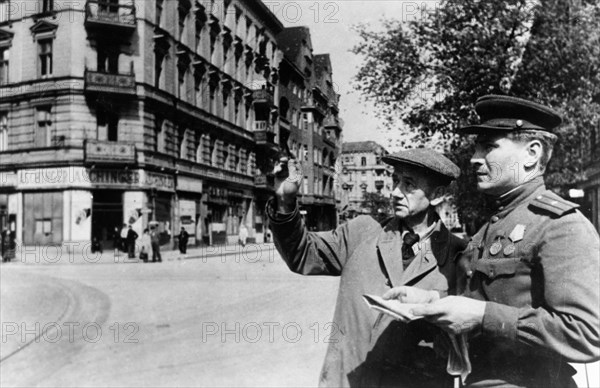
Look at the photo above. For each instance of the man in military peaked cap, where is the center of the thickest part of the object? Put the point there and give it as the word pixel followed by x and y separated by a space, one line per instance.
pixel 367 348
pixel 532 288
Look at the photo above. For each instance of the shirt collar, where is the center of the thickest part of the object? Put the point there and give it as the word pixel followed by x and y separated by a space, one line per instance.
pixel 511 199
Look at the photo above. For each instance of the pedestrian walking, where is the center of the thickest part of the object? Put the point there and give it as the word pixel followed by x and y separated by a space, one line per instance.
pixel 124 231
pixel 145 246
pixel 243 235
pixel 116 237
pixel 531 287
pixel 183 241
pixel 370 349
pixel 155 242
pixel 131 237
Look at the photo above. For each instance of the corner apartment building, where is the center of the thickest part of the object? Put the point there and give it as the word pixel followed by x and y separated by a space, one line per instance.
pixel 145 111
pixel 310 126
pixel 363 171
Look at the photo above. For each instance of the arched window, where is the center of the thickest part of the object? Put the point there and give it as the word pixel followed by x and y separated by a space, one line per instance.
pixel 284 107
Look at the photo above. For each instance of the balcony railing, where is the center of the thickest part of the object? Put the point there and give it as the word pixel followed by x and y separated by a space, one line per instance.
pixel 266 182
pixel 333 122
pixel 262 97
pixel 315 107
pixel 107 14
pixel 100 82
pixel 261 126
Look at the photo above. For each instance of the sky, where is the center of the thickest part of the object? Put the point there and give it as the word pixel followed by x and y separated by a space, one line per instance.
pixel 331 24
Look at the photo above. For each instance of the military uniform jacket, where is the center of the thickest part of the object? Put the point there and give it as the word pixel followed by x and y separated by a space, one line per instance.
pixel 370 348
pixel 536 263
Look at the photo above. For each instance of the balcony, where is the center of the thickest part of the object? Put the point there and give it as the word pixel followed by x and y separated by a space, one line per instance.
pixel 330 140
pixel 265 182
pixel 117 84
pixel 265 137
pixel 314 107
pixel 107 14
pixel 262 97
pixel 332 122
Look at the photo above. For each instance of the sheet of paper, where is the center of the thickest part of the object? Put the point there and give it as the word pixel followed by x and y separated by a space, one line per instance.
pixel 393 307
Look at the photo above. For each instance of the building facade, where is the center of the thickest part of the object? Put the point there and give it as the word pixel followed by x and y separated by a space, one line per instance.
pixel 310 126
pixel 139 112
pixel 363 171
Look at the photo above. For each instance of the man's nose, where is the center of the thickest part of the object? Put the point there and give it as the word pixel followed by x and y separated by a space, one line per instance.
pixel 477 158
pixel 397 193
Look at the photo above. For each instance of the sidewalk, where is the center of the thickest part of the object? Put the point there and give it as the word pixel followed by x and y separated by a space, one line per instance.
pixel 80 253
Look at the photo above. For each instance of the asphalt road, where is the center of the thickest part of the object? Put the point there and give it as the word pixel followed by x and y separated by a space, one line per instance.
pixel 232 320
pixel 221 322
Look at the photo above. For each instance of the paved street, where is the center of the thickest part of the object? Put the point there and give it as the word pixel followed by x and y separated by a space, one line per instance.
pixel 228 320
pixel 224 317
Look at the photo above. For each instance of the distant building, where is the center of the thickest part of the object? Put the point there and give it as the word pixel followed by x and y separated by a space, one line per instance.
pixel 363 171
pixel 123 111
pixel 310 126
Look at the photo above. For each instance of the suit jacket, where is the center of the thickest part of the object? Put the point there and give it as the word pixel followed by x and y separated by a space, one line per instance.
pixel 536 265
pixel 370 348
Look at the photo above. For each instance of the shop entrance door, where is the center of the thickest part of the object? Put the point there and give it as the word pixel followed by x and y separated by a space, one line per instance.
pixel 107 214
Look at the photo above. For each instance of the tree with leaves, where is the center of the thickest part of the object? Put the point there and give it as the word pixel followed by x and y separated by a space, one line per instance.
pixel 378 205
pixel 425 75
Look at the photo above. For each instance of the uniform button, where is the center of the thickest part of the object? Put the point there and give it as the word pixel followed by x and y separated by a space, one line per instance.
pixel 539 197
pixel 495 218
pixel 501 208
pixel 492 273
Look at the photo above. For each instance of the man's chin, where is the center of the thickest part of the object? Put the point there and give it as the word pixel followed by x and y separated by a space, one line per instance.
pixel 403 213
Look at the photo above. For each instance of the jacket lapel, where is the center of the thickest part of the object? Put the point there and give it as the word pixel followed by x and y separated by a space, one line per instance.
pixel 439 243
pixel 421 265
pixel 389 246
pixel 432 254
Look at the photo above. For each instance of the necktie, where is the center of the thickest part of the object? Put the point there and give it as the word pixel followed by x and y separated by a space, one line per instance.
pixel 409 240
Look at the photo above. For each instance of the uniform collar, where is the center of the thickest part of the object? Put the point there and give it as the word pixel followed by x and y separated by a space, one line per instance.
pixel 513 198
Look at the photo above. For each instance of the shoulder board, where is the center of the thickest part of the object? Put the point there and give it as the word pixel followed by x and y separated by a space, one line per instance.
pixel 553 203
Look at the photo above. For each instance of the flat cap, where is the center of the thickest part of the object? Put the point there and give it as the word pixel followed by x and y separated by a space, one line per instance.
pixel 507 114
pixel 425 158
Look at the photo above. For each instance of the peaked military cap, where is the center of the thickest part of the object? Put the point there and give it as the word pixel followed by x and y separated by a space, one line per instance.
pixel 507 114
pixel 425 158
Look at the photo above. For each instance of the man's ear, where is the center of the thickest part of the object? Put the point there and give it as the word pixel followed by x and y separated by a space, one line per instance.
pixel 437 196
pixel 534 150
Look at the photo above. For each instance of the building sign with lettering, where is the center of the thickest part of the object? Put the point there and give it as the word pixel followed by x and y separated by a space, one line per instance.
pixel 79 177
pixel 109 152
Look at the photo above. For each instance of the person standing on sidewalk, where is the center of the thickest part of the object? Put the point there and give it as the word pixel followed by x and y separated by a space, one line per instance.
pixel 155 242
pixel 243 236
pixel 131 237
pixel 183 238
pixel 145 245
pixel 413 247
pixel 123 242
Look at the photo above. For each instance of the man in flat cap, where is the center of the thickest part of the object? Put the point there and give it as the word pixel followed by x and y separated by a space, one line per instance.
pixel 532 287
pixel 412 248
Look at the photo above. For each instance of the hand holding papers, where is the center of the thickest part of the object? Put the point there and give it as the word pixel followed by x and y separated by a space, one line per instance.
pixel 393 307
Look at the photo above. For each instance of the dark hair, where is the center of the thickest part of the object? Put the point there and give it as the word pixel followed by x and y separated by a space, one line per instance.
pixel 546 138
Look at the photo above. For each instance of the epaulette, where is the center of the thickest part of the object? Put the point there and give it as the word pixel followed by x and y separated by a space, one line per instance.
pixel 553 203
